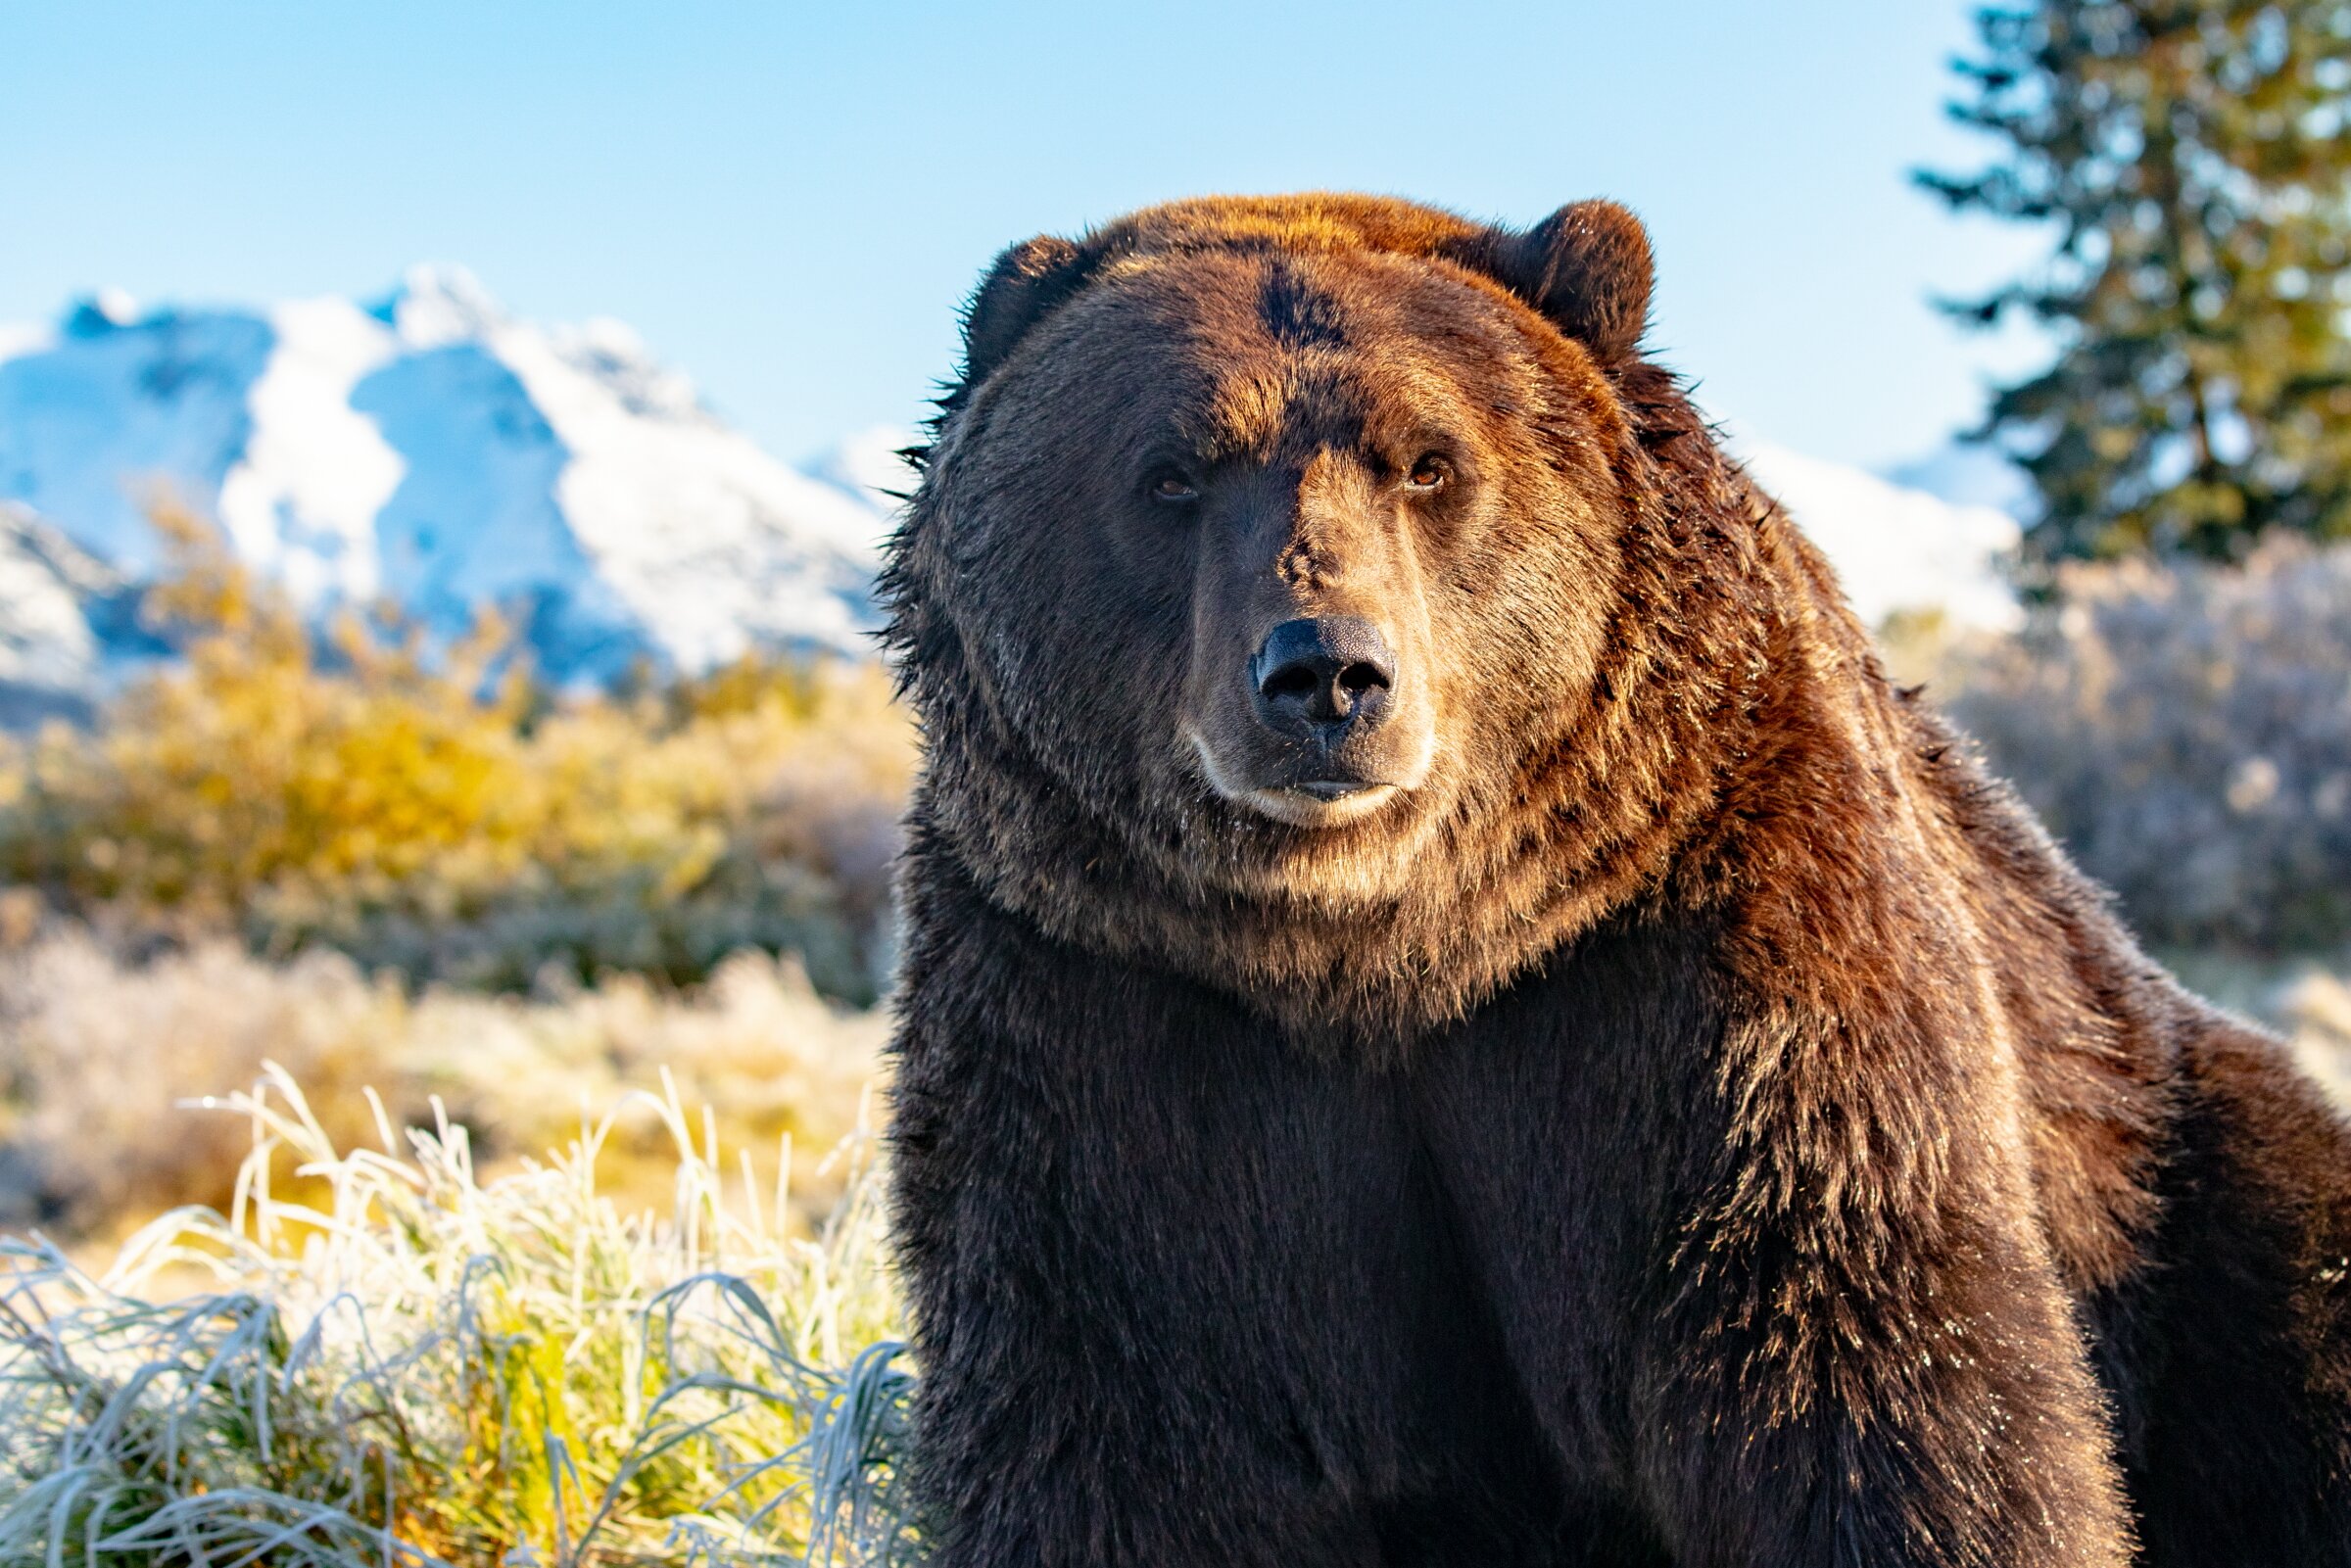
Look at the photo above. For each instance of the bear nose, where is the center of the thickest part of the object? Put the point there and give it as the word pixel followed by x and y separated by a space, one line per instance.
pixel 1313 678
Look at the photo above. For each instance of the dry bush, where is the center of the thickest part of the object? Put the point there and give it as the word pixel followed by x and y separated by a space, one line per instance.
pixel 432 809
pixel 100 1058
pixel 2187 733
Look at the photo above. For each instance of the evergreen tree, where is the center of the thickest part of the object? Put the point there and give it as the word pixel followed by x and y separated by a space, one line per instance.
pixel 2193 158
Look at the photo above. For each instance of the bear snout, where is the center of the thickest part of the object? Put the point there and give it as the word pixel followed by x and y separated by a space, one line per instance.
pixel 1320 680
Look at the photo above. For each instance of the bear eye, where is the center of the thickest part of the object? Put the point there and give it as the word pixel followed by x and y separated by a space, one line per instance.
pixel 1172 488
pixel 1429 473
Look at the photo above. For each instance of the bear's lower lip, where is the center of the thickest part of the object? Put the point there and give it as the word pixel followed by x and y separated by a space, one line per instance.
pixel 1320 804
pixel 1307 802
pixel 1334 788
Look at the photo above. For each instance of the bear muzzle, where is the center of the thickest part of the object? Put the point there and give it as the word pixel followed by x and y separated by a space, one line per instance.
pixel 1315 744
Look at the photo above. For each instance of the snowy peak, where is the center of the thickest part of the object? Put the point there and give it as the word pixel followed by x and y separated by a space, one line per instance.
pixel 613 355
pixel 50 593
pixel 1897 546
pixel 118 406
pixel 433 448
pixel 102 313
pixel 434 304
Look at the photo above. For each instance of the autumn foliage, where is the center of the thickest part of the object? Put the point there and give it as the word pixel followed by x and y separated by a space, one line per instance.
pixel 437 810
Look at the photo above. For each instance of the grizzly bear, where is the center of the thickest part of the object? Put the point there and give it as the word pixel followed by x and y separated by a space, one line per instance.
pixel 1452 1015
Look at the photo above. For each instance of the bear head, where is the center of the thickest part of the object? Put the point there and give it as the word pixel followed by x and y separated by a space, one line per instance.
pixel 1321 598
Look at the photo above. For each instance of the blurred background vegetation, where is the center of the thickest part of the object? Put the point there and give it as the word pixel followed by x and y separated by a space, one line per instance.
pixel 2191 162
pixel 2178 704
pixel 433 811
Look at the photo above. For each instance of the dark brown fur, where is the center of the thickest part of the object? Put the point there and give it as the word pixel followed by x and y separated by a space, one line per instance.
pixel 1703 1121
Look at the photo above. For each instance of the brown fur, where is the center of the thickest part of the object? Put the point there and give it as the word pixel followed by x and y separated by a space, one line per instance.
pixel 1699 1119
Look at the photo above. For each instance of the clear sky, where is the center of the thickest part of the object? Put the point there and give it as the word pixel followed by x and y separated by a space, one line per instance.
pixel 789 200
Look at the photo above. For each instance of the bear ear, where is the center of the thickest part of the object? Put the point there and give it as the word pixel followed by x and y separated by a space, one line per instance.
pixel 1587 267
pixel 1026 283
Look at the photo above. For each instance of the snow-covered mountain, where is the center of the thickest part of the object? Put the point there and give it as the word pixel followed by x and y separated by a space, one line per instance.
pixel 1901 547
pixel 59 607
pixel 432 450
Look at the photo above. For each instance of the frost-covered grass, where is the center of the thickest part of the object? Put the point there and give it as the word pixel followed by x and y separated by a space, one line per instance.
pixel 409 1364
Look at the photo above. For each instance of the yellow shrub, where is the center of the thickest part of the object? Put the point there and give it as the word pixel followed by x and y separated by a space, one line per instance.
pixel 436 810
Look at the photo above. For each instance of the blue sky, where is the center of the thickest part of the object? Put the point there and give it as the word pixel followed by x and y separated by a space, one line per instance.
pixel 789 201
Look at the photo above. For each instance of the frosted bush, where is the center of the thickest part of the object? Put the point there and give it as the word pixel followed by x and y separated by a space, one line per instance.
pixel 2187 733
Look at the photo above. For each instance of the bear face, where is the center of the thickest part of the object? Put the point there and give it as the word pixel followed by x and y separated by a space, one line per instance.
pixel 1290 550
pixel 1232 443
